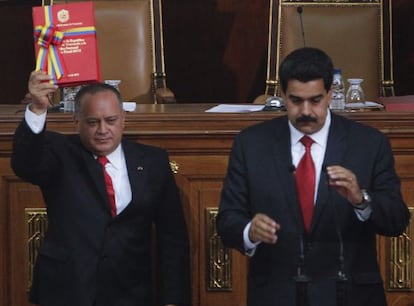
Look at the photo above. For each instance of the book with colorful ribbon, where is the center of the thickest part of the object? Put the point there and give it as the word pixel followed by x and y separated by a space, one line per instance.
pixel 65 43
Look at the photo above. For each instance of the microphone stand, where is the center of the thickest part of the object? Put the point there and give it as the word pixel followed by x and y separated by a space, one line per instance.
pixel 341 289
pixel 301 279
pixel 341 278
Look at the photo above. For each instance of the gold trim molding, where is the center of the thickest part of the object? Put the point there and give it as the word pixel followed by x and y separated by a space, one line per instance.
pixel 174 166
pixel 400 262
pixel 36 222
pixel 218 258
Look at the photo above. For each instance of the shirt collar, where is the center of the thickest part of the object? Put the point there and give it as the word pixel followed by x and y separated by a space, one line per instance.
pixel 320 137
pixel 116 157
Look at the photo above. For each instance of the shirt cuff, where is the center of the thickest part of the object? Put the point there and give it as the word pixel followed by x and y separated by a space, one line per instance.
pixel 35 122
pixel 363 214
pixel 249 246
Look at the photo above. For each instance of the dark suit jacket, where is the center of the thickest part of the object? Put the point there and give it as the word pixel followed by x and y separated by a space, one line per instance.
pixel 260 180
pixel 87 257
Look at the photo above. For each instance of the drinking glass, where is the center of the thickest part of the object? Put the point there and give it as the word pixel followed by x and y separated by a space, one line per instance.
pixel 68 97
pixel 113 83
pixel 355 94
pixel 69 93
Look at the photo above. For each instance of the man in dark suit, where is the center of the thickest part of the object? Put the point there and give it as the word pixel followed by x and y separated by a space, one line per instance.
pixel 354 195
pixel 92 256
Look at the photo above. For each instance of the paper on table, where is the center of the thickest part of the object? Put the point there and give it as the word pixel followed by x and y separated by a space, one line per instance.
pixel 367 104
pixel 234 108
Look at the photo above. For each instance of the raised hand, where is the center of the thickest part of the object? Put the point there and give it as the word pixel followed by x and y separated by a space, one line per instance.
pixel 39 90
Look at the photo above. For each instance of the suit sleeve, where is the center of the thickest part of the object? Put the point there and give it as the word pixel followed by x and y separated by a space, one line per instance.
pixel 172 239
pixel 390 215
pixel 234 210
pixel 32 159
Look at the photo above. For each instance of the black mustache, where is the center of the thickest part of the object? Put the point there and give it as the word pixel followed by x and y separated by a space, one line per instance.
pixel 305 118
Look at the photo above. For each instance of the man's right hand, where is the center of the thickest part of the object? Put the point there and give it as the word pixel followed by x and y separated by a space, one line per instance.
pixel 39 89
pixel 263 229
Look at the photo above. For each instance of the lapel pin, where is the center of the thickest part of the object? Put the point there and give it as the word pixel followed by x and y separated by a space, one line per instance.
pixel 140 168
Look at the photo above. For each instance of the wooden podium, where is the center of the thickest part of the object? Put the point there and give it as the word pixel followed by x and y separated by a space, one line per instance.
pixel 198 144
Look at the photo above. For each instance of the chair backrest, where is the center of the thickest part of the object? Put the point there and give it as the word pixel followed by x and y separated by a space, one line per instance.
pixel 130 45
pixel 355 35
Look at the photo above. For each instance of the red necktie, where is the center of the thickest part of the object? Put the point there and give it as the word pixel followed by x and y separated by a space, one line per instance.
pixel 305 182
pixel 109 187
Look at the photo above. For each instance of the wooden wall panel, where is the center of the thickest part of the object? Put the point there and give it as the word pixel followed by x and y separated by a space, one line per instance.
pixel 21 196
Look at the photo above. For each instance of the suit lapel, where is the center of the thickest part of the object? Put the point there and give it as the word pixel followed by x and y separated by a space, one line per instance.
pixel 94 169
pixel 285 169
pixel 335 151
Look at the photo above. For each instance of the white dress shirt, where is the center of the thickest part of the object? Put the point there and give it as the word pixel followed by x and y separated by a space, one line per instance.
pixel 117 170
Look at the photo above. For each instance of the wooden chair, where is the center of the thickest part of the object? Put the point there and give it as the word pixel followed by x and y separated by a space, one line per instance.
pixel 130 45
pixel 356 34
pixel 398 103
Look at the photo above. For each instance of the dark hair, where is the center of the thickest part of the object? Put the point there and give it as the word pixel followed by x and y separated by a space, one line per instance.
pixel 94 89
pixel 306 64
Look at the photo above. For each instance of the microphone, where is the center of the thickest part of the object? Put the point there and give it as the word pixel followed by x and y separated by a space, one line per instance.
pixel 291 168
pixel 341 278
pixel 274 103
pixel 300 11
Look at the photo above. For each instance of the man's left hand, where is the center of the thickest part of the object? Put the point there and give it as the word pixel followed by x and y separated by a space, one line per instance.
pixel 345 182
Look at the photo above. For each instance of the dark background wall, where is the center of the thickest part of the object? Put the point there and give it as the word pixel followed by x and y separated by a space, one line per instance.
pixel 403 46
pixel 215 50
pixel 16 49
